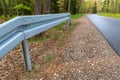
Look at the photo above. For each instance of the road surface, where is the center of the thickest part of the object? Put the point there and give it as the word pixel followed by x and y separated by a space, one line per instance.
pixel 110 29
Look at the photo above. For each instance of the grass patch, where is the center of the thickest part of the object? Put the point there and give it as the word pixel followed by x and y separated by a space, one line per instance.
pixel 48 58
pixel 56 33
pixel 37 66
pixel 59 43
pixel 43 38
pixel 117 15
pixel 76 16
pixel 2 17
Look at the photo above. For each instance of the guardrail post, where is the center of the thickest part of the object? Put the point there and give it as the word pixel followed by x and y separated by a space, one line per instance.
pixel 26 55
pixel 68 23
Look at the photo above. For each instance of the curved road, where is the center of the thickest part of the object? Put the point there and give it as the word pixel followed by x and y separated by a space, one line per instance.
pixel 110 29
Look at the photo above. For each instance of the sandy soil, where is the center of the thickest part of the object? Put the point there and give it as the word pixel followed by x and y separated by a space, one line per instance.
pixel 84 55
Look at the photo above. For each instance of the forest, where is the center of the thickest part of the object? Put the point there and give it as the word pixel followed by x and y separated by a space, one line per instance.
pixel 11 8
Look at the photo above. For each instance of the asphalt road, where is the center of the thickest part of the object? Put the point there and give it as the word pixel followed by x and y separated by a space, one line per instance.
pixel 109 28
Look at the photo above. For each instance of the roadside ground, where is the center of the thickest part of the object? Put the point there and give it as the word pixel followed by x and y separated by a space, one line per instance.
pixel 82 55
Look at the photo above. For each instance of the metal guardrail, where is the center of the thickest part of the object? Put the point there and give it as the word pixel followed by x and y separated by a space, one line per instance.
pixel 21 28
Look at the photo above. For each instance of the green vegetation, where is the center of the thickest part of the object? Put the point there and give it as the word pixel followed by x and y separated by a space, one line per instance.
pixel 76 16
pixel 37 66
pixel 59 43
pixel 9 8
pixel 117 15
pixel 57 33
pixel 2 17
pixel 48 58
pixel 95 7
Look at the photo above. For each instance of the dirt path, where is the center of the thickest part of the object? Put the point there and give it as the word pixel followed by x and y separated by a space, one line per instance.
pixel 89 56
pixel 86 56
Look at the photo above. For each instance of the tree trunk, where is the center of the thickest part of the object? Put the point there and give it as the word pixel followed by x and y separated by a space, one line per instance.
pixel 10 8
pixel 4 8
pixel 47 6
pixel 17 11
pixel 116 5
pixel 37 11
pixel 69 6
pixel 38 6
